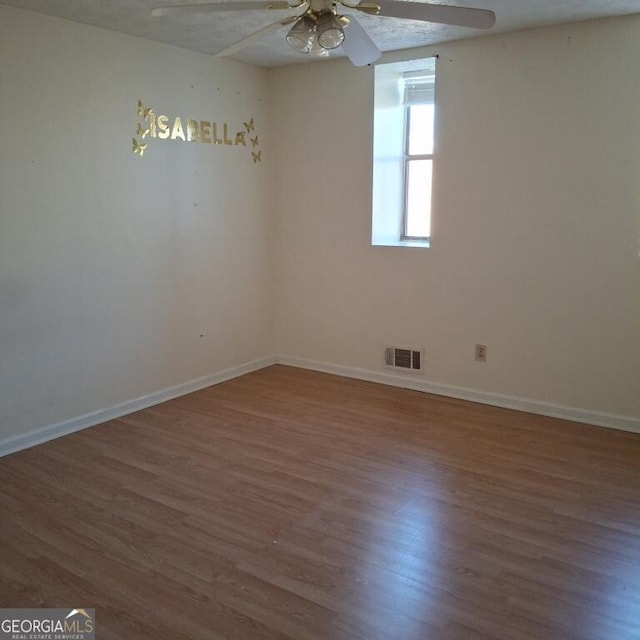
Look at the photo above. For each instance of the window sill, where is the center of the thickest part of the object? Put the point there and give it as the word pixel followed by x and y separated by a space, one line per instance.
pixel 424 244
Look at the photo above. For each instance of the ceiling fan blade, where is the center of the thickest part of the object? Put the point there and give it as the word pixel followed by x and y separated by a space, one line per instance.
pixel 209 7
pixel 441 13
pixel 358 46
pixel 256 35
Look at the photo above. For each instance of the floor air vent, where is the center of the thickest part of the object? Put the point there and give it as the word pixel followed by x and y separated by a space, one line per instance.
pixel 403 359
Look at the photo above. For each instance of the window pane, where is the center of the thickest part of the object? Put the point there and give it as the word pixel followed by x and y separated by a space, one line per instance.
pixel 421 129
pixel 418 219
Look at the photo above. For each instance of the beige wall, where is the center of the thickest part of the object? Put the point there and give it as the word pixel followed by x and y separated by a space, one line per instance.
pixel 112 267
pixel 536 220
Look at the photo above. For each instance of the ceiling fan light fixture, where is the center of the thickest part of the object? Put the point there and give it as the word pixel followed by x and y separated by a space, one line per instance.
pixel 302 35
pixel 330 33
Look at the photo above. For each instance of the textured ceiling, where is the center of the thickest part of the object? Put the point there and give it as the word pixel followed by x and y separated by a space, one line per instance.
pixel 211 33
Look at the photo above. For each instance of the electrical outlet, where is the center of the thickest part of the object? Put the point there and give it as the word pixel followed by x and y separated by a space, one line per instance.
pixel 481 352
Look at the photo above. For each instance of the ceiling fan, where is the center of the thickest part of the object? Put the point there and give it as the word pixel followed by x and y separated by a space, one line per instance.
pixel 320 26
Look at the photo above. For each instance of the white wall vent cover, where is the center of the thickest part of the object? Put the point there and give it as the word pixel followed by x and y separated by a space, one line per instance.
pixel 404 359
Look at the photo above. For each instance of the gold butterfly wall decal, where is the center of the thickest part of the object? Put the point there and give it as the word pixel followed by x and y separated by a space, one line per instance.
pixel 249 125
pixel 138 147
pixel 254 141
pixel 143 133
pixel 144 111
pixel 257 155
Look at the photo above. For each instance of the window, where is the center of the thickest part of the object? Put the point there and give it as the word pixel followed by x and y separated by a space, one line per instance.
pixel 404 115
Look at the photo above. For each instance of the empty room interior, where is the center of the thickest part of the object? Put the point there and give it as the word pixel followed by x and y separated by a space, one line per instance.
pixel 249 391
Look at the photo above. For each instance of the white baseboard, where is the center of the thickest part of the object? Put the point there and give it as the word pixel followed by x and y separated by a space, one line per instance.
pixel 611 421
pixel 49 432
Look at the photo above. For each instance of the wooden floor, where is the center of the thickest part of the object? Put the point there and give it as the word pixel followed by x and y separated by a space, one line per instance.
pixel 293 504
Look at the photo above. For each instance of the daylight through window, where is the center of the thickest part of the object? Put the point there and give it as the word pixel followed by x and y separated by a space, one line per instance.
pixel 419 120
pixel 404 118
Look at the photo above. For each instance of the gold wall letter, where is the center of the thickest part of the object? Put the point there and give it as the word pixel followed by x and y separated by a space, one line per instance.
pixel 192 131
pixel 205 131
pixel 216 140
pixel 226 139
pixel 177 131
pixel 163 127
pixel 152 124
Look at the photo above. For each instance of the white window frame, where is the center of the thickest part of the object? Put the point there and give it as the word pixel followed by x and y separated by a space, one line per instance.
pixel 390 151
pixel 408 157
